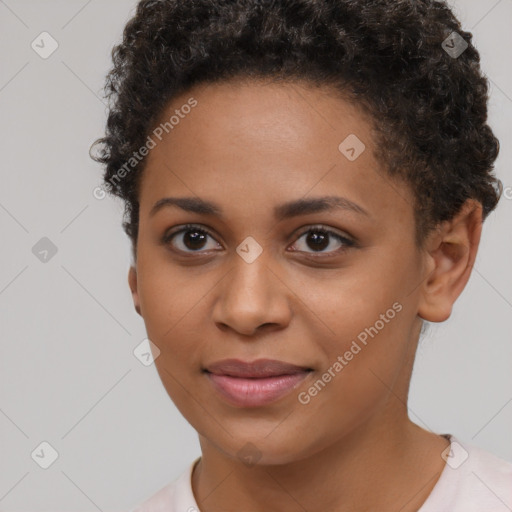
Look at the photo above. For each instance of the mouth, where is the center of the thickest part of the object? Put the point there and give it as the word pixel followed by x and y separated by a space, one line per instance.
pixel 257 383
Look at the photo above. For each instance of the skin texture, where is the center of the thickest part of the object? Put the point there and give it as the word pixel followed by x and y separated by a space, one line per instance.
pixel 249 147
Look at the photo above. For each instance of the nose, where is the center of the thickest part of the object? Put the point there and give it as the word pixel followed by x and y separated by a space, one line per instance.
pixel 252 297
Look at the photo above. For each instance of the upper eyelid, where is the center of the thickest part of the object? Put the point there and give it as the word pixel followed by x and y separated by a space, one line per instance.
pixel 321 227
pixel 188 227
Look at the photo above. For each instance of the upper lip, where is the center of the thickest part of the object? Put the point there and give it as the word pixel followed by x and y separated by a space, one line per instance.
pixel 260 368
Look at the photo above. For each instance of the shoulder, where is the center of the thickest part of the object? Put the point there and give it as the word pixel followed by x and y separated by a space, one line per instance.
pixel 160 501
pixel 175 496
pixel 490 475
pixel 473 480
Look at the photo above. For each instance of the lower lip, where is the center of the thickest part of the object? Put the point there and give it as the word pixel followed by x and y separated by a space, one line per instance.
pixel 255 392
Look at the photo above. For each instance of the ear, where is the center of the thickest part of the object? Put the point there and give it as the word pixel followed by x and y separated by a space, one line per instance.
pixel 451 253
pixel 132 281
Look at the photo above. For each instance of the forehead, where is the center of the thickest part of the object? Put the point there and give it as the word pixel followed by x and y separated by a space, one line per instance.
pixel 252 143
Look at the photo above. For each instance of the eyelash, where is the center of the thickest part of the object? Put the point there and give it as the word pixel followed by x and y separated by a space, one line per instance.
pixel 347 243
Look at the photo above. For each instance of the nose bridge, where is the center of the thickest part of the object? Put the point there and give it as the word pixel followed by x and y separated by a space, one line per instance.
pixel 250 283
pixel 251 296
pixel 250 276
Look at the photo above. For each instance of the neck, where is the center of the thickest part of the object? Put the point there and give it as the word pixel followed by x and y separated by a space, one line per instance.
pixel 381 465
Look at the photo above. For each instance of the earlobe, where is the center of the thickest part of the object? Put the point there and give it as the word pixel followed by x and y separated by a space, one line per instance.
pixel 132 281
pixel 452 252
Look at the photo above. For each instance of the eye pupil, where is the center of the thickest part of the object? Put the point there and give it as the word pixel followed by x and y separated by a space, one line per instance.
pixel 319 239
pixel 197 236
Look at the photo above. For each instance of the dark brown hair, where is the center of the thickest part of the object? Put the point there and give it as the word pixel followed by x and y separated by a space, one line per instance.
pixel 428 105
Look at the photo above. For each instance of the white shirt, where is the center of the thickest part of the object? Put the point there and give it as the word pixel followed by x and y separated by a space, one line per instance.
pixel 473 480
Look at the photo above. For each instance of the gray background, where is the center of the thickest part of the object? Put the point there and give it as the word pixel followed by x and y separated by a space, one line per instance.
pixel 68 327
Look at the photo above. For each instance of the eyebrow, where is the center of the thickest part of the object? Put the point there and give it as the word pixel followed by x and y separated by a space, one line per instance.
pixel 281 212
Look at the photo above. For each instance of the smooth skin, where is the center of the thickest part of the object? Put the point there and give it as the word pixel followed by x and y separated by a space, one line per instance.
pixel 249 147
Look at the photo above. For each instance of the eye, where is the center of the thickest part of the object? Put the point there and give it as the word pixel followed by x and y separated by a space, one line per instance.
pixel 318 238
pixel 194 240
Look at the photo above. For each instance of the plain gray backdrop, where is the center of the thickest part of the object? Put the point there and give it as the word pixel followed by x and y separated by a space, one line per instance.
pixel 68 327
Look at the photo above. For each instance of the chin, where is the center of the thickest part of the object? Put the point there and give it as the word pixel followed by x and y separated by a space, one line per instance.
pixel 264 451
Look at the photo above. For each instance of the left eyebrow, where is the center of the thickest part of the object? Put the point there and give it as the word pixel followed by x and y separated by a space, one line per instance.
pixel 283 211
pixel 315 205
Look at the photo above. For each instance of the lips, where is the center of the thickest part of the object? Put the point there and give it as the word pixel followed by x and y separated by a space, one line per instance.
pixel 260 368
pixel 254 384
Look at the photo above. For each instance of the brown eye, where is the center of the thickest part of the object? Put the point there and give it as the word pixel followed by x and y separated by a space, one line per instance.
pixel 190 238
pixel 319 238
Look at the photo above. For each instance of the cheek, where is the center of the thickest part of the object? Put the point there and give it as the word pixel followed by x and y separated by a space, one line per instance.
pixel 368 358
pixel 342 305
pixel 364 335
pixel 171 300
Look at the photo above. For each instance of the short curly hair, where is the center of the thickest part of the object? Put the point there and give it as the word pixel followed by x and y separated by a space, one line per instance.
pixel 428 107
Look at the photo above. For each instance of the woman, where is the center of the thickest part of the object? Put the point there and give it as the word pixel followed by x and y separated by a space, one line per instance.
pixel 305 184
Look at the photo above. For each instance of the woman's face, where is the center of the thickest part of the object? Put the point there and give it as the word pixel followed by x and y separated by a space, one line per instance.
pixel 264 282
